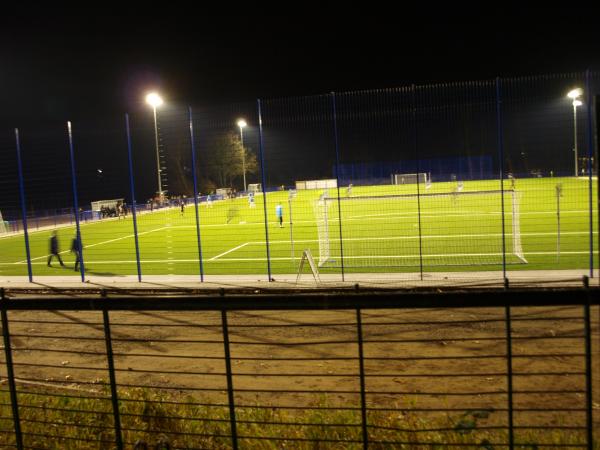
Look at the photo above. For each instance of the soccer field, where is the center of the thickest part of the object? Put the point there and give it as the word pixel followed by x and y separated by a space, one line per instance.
pixel 382 229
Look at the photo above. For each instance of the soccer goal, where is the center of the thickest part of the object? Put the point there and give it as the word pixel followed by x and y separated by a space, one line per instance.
pixel 442 229
pixel 410 178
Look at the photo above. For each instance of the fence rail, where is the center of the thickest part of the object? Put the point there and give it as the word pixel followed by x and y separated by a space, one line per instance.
pixel 368 370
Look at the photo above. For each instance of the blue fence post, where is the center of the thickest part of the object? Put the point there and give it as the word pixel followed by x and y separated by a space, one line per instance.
pixel 500 140
pixel 264 185
pixel 133 202
pixel 75 201
pixel 23 203
pixel 337 174
pixel 597 125
pixel 590 137
pixel 193 150
pixel 416 148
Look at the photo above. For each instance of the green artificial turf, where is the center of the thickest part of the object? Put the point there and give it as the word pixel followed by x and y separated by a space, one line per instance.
pixel 380 232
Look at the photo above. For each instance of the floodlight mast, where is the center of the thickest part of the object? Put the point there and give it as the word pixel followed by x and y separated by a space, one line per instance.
pixel 154 100
pixel 241 124
pixel 575 94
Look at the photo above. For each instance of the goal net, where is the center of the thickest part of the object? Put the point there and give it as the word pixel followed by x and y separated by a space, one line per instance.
pixel 445 229
pixel 410 178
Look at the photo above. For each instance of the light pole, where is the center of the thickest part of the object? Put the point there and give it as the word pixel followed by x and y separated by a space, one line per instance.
pixel 242 123
pixel 154 100
pixel 575 94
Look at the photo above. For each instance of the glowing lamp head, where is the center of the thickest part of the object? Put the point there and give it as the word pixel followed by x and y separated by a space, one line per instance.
pixel 577 103
pixel 154 100
pixel 241 123
pixel 575 93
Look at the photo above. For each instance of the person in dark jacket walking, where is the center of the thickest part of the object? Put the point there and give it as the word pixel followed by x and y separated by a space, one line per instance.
pixel 75 249
pixel 54 249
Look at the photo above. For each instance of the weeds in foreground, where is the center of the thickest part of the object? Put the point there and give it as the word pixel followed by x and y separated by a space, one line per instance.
pixel 159 420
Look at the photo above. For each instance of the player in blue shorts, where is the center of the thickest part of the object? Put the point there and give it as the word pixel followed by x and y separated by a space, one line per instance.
pixel 279 214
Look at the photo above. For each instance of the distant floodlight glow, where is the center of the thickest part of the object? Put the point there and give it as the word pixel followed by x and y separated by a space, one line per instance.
pixel 241 123
pixel 154 100
pixel 577 103
pixel 575 93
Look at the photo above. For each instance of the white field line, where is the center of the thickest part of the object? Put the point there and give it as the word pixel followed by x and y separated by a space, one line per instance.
pixel 392 238
pixel 164 210
pixel 47 228
pixel 449 236
pixel 433 236
pixel 467 213
pixel 229 251
pixel 289 258
pixel 94 245
pixel 388 216
pixel 445 255
pixel 344 218
pixel 124 261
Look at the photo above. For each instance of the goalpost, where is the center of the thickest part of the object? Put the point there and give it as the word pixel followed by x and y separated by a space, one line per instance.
pixel 411 178
pixel 442 229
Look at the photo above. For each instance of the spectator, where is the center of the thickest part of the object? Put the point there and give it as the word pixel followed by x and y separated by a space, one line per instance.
pixel 54 249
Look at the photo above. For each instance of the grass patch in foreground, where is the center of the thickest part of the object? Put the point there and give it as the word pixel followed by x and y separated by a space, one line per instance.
pixel 62 421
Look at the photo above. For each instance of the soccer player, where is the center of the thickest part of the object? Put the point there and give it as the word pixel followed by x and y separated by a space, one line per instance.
pixel 279 214
pixel 182 206
pixel 251 200
pixel 54 249
pixel 208 201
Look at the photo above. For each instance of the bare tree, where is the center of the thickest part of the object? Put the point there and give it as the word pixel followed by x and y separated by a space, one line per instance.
pixel 225 159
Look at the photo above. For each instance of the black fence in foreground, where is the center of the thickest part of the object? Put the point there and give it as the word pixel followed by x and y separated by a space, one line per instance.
pixel 477 369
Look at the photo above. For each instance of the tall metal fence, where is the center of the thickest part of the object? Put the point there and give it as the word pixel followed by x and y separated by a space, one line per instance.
pixel 475 180
pixel 503 369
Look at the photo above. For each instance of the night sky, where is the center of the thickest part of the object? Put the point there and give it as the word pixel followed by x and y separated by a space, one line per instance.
pixel 93 67
pixel 64 67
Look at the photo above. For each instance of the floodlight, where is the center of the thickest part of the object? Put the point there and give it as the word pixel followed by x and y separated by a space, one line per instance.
pixel 241 123
pixel 575 93
pixel 154 100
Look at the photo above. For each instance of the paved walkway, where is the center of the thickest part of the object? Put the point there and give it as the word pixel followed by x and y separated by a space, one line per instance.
pixel 524 278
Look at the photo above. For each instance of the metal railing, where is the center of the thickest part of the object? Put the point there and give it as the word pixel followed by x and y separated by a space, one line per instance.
pixel 340 370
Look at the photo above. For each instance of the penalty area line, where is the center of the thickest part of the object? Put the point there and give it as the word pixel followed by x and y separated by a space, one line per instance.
pixel 288 258
pixel 214 258
pixel 94 245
